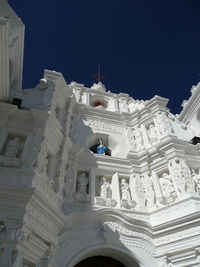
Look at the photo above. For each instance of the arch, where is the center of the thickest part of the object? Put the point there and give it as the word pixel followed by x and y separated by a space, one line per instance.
pixel 100 261
pixel 120 254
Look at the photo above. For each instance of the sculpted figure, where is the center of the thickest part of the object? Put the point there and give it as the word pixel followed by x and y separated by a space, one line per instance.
pixel 130 134
pixel 148 191
pixel 167 185
pixel 196 178
pixel 153 134
pixel 163 123
pixel 125 190
pixel 138 138
pixel 105 191
pixel 82 184
pixel 177 178
pixel 139 192
pixel 182 177
pixel 101 148
pixel 13 148
pixel 190 184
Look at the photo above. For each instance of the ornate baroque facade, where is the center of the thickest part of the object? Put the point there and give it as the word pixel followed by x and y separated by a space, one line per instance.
pixel 61 202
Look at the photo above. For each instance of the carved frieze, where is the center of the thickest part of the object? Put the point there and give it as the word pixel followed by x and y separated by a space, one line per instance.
pixel 103 126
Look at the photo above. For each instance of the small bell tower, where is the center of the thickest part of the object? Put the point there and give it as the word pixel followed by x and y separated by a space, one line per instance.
pixel 11 51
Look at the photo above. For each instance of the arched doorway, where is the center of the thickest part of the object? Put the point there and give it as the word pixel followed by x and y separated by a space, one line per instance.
pixel 105 257
pixel 100 261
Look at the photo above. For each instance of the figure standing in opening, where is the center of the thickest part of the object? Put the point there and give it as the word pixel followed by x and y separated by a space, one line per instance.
pixel 125 190
pixel 101 148
pixel 105 188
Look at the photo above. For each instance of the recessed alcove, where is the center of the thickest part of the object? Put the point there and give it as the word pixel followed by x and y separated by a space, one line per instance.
pixel 99 102
pixel 94 141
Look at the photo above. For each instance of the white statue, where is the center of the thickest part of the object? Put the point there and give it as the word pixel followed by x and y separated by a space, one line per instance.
pixel 138 138
pixel 163 123
pixel 148 191
pixel 125 190
pixel 139 191
pixel 196 178
pixel 177 178
pixel 181 176
pixel 82 184
pixel 153 134
pixel 13 148
pixel 131 138
pixel 167 185
pixel 105 191
pixel 190 184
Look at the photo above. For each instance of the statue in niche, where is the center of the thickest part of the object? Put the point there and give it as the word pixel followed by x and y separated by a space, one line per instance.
pixel 163 123
pixel 167 185
pixel 101 148
pixel 153 134
pixel 130 134
pixel 176 174
pixel 105 191
pixel 182 176
pixel 82 184
pixel 148 191
pixel 13 148
pixel 123 105
pixel 125 190
pixel 196 178
pixel 190 184
pixel 138 139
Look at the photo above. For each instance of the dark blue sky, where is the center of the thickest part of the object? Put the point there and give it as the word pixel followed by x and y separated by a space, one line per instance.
pixel 145 47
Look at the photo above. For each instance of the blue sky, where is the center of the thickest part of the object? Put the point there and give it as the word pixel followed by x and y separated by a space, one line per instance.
pixel 144 47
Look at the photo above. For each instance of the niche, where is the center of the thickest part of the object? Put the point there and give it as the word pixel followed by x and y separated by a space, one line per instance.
pixel 99 144
pixel 99 102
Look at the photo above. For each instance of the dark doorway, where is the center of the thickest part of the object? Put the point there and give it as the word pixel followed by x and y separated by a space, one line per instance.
pixel 100 261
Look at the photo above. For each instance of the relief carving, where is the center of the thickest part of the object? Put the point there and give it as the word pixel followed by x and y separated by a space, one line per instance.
pixel 104 190
pixel 148 191
pixel 167 186
pixel 153 133
pixel 181 177
pixel 196 178
pixel 126 200
pixel 138 138
pixel 163 124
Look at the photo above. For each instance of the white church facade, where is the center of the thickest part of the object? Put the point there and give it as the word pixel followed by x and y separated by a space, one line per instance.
pixel 88 176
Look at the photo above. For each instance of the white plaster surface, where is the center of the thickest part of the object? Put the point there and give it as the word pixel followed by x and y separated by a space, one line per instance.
pixel 60 202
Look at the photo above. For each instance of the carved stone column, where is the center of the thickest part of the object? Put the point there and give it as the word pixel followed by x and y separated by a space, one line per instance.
pixel 116 190
pixel 145 136
pixel 158 192
pixel 92 185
